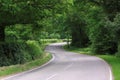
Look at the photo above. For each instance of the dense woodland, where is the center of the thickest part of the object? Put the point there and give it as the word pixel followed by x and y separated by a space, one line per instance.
pixel 25 23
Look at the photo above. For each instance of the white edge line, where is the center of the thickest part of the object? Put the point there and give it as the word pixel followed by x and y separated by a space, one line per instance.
pixel 70 65
pixel 53 58
pixel 110 69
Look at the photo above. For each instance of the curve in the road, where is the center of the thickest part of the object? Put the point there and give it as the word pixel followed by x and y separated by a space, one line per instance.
pixel 67 66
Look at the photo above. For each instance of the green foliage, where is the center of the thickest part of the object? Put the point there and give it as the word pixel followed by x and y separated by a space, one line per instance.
pixel 24 12
pixel 105 38
pixel 34 49
pixel 12 53
pixel 86 50
pixel 118 53
pixel 86 23
pixel 18 32
pixel 13 69
pixel 79 36
pixel 19 52
pixel 103 41
pixel 117 26
pixel 77 23
pixel 113 61
pixel 116 31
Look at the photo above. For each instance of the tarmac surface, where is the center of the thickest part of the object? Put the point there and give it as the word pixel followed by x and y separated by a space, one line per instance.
pixel 67 66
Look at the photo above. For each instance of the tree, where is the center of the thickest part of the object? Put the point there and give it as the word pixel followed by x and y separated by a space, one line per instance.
pixel 77 25
pixel 95 11
pixel 116 32
pixel 13 13
pixel 111 7
pixel 77 22
pixel 22 12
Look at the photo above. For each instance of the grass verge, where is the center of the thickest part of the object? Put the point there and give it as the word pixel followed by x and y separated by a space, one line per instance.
pixel 4 71
pixel 112 60
pixel 114 63
pixel 13 69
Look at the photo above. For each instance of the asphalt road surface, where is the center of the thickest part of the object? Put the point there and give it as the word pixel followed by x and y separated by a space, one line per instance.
pixel 67 66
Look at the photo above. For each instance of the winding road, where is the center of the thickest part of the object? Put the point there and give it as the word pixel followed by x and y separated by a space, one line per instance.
pixel 67 66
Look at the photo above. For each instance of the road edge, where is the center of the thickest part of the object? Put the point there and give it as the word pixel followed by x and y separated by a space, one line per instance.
pixel 22 73
pixel 109 68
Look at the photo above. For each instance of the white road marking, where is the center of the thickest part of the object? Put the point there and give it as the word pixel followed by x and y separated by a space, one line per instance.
pixel 70 65
pixel 53 58
pixel 51 77
pixel 109 68
pixel 111 77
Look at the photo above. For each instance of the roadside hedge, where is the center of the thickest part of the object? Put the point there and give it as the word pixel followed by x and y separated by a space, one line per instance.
pixel 12 53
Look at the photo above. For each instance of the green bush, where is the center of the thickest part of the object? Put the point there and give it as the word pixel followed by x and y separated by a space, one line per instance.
pixel 34 49
pixel 116 32
pixel 78 30
pixel 18 32
pixel 103 40
pixel 12 53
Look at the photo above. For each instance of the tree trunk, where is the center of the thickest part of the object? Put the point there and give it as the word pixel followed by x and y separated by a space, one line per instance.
pixel 118 53
pixel 2 33
pixel 68 40
pixel 79 37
